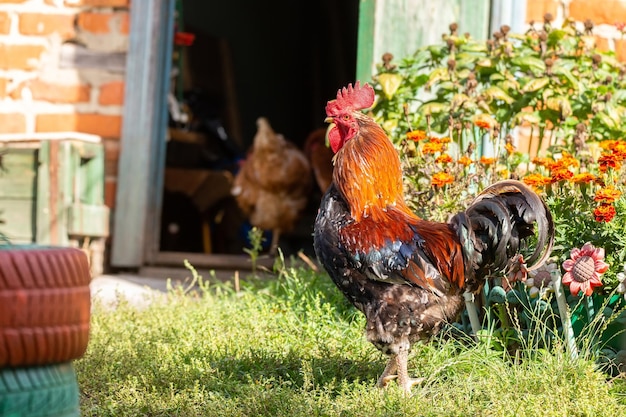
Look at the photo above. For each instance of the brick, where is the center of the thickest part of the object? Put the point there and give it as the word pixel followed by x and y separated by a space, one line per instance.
pixel 24 57
pixel 98 3
pixel 110 190
pixel 47 24
pixel 112 94
pixel 620 49
pixel 55 93
pixel 3 88
pixel 5 23
pixel 107 126
pixel 611 12
pixel 111 156
pixel 12 123
pixel 101 23
pixel 536 9
pixel 602 43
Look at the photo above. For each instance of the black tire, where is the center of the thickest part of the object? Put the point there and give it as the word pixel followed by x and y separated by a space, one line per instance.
pixel 40 391
pixel 45 305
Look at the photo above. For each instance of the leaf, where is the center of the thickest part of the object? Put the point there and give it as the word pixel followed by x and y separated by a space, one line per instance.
pixel 535 84
pixel 434 107
pixel 438 74
pixel 526 117
pixel 531 63
pixel 606 120
pixel 496 93
pixel 390 82
pixel 560 104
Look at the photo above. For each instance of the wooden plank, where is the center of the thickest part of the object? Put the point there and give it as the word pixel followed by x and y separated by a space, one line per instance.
pixel 140 178
pixel 18 174
pixel 18 218
pixel 365 40
pixel 400 27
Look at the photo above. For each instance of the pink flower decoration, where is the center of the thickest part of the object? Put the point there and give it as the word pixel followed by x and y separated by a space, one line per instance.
pixel 584 268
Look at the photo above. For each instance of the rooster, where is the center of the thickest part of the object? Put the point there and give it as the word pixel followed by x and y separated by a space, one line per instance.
pixel 408 275
pixel 273 183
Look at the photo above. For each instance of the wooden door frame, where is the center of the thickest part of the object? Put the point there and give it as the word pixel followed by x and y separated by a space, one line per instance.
pixel 139 195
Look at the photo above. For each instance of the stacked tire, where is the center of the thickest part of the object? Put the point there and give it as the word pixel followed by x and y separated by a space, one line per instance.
pixel 45 307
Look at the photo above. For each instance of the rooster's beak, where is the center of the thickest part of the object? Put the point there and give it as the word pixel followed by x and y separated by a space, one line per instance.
pixel 330 127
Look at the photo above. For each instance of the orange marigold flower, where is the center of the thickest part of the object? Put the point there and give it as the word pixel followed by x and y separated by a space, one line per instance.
pixel 431 147
pixel 567 160
pixel 546 162
pixel 607 195
pixel 604 212
pixel 487 161
pixel 440 179
pixel 416 135
pixel 444 158
pixel 606 161
pixel 608 144
pixel 434 139
pixel 536 180
pixel 464 160
pixel 482 124
pixel 561 174
pixel 509 148
pixel 583 177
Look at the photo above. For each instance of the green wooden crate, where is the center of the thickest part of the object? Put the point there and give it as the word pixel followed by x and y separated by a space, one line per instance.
pixel 52 191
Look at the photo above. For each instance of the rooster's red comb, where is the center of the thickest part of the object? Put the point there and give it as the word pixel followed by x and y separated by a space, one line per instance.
pixel 351 98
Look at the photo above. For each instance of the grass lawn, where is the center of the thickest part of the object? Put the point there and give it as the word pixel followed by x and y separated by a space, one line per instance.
pixel 292 346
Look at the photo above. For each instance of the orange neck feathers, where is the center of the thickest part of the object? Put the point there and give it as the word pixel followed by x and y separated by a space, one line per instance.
pixel 368 174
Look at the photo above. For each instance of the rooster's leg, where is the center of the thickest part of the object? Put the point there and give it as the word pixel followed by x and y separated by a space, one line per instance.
pixel 389 372
pixel 397 368
pixel 404 380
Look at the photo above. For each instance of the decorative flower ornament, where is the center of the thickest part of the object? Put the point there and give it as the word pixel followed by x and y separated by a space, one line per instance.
pixel 539 281
pixel 584 268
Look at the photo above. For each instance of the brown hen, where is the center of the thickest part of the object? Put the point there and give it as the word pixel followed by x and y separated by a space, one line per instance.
pixel 273 183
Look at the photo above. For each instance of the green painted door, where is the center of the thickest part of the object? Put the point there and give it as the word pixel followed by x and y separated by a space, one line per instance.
pixel 402 26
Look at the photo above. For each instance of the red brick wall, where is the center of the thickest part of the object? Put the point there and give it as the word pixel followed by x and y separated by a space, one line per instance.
pixel 38 94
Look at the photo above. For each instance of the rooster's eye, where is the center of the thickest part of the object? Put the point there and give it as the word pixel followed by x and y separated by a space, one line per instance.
pixel 346 117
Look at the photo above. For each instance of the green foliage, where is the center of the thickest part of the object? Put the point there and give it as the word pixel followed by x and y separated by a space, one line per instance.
pixel 292 346
pixel 255 235
pixel 458 111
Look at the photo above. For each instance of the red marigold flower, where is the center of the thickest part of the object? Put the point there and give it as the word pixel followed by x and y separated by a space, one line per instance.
pixel 487 161
pixel 444 158
pixel 464 160
pixel 606 161
pixel 583 177
pixel 431 147
pixel 584 268
pixel 604 212
pixel 536 180
pixel 416 135
pixel 561 174
pixel 607 195
pixel 440 179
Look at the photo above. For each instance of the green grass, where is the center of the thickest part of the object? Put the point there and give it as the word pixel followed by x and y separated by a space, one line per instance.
pixel 292 346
